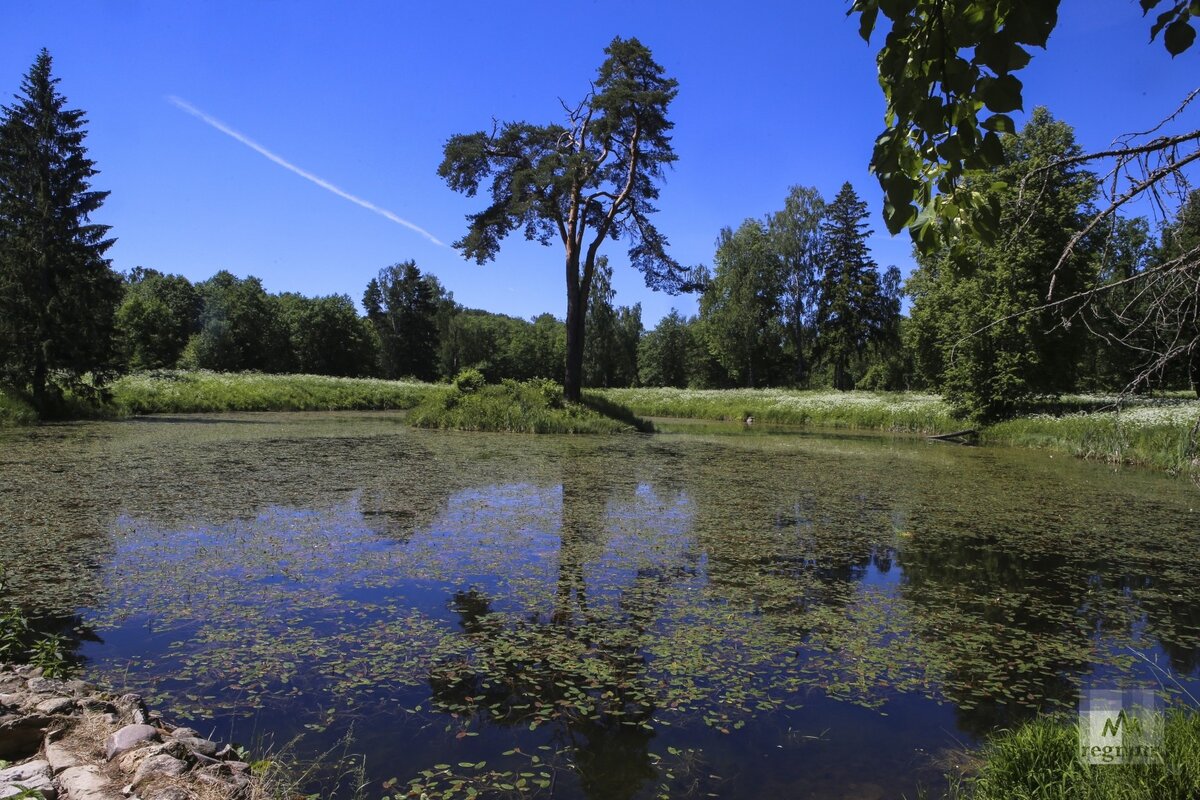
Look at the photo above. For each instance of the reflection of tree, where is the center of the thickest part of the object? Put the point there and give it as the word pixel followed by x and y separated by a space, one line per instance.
pixel 999 630
pixel 582 671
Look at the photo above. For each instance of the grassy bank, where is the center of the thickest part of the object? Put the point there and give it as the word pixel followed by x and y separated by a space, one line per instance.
pixel 521 407
pixel 1155 432
pixel 15 410
pixel 178 392
pixel 1039 761
pixel 891 411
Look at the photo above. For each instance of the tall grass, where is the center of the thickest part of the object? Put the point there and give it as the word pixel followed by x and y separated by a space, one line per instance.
pixel 884 411
pixel 1039 761
pixel 189 392
pixel 1160 433
pixel 520 407
pixel 15 410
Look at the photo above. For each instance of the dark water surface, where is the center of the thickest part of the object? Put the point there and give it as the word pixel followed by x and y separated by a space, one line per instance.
pixel 710 612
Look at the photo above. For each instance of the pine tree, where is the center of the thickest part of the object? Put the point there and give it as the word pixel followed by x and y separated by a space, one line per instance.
pixel 58 294
pixel 402 305
pixel 847 304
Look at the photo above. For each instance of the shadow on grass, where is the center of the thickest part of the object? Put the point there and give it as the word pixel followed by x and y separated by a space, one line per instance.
pixel 604 406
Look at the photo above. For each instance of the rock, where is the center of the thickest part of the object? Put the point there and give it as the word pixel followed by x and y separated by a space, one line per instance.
pixel 56 705
pixel 86 783
pixel 169 793
pixel 182 733
pixel 205 747
pixel 127 739
pixel 20 736
pixel 229 753
pixel 30 775
pixel 60 757
pixel 171 748
pixel 136 708
pixel 158 766
pixel 47 686
pixel 92 703
pixel 13 699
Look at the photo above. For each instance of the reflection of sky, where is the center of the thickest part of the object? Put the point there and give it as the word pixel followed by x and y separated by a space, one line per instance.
pixel 331 581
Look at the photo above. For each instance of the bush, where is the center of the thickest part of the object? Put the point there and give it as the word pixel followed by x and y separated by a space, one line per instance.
pixel 469 380
pixel 534 406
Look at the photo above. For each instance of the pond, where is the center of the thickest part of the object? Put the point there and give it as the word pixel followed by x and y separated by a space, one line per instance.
pixel 706 612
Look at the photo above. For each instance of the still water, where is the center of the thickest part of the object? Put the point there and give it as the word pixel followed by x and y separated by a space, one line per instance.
pixel 705 612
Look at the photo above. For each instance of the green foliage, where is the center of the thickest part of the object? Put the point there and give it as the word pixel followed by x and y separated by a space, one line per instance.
pixel 1039 760
pixel 740 309
pixel 240 328
pixel 798 240
pixel 854 308
pixel 664 353
pixel 610 351
pixel 57 291
pixel 894 411
pixel 973 334
pixel 469 380
pixel 157 316
pixel 50 654
pixel 326 335
pixel 169 392
pixel 593 179
pixel 533 406
pixel 15 409
pixel 947 73
pixel 20 642
pixel 1154 432
pixel 402 305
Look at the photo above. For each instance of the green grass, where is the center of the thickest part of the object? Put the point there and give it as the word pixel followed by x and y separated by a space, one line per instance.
pixel 522 407
pixel 909 412
pixel 15 410
pixel 178 392
pixel 1038 761
pixel 1155 432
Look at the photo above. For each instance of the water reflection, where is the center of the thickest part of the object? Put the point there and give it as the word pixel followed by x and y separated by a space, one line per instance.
pixel 641 614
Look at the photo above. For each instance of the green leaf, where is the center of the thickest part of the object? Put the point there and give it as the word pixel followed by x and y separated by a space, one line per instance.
pixel 1000 123
pixel 866 22
pixel 1179 36
pixel 1001 94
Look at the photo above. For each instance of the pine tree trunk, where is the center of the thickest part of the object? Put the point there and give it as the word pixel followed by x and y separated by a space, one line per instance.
pixel 573 377
pixel 39 383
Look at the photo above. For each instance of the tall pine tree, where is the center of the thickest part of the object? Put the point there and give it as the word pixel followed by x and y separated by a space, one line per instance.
pixel 58 293
pixel 848 310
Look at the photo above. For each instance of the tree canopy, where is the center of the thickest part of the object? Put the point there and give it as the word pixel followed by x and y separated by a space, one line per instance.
pixel 948 71
pixel 591 179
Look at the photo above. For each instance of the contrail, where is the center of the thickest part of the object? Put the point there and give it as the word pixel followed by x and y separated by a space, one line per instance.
pixel 324 184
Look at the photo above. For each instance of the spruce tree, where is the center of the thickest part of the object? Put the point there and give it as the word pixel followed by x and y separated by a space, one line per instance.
pixel 847 303
pixel 58 293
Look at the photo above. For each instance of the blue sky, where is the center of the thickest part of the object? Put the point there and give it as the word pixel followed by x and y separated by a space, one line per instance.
pixel 363 95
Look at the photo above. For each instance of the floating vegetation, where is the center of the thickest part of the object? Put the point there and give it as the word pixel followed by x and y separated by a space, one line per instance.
pixel 609 617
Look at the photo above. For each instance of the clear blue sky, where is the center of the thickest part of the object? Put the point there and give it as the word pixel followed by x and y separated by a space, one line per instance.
pixel 364 94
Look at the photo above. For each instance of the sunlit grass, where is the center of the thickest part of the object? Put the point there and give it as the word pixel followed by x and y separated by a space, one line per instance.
pixel 178 392
pixel 1039 761
pixel 521 407
pixel 891 411
pixel 1154 432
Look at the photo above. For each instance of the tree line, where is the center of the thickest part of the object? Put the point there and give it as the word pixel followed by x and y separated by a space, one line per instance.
pixel 793 298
